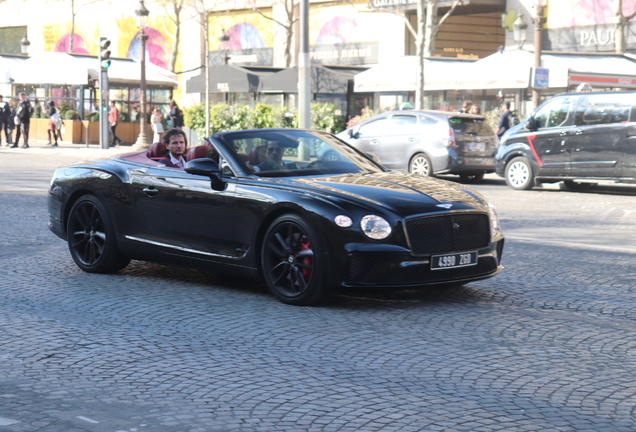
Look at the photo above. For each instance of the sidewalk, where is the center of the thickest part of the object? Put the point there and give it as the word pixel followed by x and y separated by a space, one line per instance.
pixel 41 146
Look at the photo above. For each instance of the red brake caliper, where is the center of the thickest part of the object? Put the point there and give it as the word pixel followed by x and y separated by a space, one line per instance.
pixel 305 245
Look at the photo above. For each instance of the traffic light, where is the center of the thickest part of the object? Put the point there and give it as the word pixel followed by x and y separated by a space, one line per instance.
pixel 104 53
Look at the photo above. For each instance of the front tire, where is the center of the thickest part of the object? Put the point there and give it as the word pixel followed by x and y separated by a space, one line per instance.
pixel 421 164
pixel 519 174
pixel 292 261
pixel 91 237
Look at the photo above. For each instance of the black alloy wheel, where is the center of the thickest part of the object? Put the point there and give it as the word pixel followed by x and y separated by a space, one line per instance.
pixel 91 237
pixel 292 262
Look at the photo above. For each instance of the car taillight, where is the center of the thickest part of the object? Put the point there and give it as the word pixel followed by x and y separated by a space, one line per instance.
pixel 450 141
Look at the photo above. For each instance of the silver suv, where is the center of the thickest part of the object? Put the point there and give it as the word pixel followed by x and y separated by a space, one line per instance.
pixel 428 142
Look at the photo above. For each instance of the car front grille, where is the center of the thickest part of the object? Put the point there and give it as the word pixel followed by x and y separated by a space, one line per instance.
pixel 448 233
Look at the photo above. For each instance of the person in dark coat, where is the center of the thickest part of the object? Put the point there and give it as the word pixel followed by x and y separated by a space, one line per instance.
pixel 4 120
pixel 23 114
pixel 176 115
pixel 504 119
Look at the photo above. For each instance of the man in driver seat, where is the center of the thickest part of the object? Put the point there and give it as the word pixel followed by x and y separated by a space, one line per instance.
pixel 274 161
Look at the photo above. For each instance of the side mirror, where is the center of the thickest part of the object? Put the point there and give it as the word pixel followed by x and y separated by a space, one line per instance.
pixel 353 132
pixel 206 167
pixel 531 124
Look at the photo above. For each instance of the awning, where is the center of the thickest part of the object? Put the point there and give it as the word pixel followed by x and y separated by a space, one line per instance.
pixel 65 69
pixel 50 68
pixel 502 70
pixel 230 78
pixel 323 79
pixel 400 74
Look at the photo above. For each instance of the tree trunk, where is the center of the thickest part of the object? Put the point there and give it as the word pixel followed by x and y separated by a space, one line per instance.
pixel 419 52
pixel 71 34
pixel 177 33
pixel 431 28
pixel 619 36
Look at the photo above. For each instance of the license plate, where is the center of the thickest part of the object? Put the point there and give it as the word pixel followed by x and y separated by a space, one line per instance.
pixel 477 146
pixel 441 262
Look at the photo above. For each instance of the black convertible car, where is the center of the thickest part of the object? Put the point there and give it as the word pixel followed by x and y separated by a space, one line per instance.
pixel 329 216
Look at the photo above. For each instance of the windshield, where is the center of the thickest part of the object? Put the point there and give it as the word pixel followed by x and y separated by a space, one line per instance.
pixel 290 152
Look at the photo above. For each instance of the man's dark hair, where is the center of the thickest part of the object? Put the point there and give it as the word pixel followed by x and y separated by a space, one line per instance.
pixel 506 104
pixel 173 132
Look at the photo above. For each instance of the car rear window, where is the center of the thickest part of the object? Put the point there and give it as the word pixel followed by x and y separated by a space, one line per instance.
pixel 473 126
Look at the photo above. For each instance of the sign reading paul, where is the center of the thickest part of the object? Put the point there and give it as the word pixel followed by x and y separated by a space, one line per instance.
pixel 342 35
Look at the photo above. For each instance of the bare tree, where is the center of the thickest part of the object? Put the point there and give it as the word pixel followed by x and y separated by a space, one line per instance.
pixel 76 5
pixel 174 9
pixel 621 23
pixel 288 25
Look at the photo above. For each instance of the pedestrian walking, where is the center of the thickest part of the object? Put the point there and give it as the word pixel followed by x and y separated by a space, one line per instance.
pixel 157 126
pixel 4 120
pixel 113 119
pixel 504 119
pixel 176 115
pixel 55 123
pixel 23 120
pixel 11 122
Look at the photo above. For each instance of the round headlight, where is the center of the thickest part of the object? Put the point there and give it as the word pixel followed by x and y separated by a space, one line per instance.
pixel 343 221
pixel 375 227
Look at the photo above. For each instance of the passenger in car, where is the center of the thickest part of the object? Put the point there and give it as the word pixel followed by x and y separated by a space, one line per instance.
pixel 176 144
pixel 274 161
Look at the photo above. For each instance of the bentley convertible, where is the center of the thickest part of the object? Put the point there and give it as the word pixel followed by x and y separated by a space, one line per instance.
pixel 324 216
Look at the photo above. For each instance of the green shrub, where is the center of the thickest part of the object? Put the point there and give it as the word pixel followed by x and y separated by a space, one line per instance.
pixel 38 111
pixel 124 117
pixel 224 117
pixel 71 115
pixel 93 117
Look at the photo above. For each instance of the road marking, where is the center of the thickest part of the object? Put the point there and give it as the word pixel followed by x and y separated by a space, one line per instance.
pixel 574 244
pixel 87 419
pixel 7 421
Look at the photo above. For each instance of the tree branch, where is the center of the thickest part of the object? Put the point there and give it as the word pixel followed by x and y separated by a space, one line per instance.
pixel 450 11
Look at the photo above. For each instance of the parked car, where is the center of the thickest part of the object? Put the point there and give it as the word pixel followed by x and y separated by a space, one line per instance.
pixel 316 225
pixel 428 142
pixel 576 138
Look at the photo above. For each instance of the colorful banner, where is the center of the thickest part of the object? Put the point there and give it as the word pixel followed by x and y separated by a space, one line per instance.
pixel 576 13
pixel 246 29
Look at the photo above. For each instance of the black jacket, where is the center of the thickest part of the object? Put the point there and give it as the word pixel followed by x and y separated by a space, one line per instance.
pixel 5 110
pixel 24 110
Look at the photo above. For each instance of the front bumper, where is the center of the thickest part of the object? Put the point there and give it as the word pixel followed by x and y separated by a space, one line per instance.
pixel 365 266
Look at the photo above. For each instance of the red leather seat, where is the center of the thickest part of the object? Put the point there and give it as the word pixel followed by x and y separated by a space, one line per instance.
pixel 156 150
pixel 257 155
pixel 202 151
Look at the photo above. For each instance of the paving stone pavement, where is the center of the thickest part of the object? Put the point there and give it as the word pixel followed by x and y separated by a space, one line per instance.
pixel 547 345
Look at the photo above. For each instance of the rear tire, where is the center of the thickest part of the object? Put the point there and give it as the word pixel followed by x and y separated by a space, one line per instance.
pixel 293 262
pixel 91 237
pixel 519 174
pixel 421 164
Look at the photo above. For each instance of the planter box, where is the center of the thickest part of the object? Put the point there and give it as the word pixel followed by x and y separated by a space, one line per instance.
pixel 86 132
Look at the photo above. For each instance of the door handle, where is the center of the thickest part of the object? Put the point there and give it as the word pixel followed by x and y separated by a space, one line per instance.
pixel 374 142
pixel 151 191
pixel 579 132
pixel 563 133
pixel 412 139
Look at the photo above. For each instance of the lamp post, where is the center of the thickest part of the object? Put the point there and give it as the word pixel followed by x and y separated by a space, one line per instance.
pixel 225 42
pixel 538 21
pixel 519 28
pixel 142 23
pixel 24 45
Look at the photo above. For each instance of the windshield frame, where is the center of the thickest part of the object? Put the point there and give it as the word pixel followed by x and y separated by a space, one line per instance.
pixel 239 145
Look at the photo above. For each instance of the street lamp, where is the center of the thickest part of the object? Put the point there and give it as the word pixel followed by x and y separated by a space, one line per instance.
pixel 538 21
pixel 519 28
pixel 142 23
pixel 225 42
pixel 24 45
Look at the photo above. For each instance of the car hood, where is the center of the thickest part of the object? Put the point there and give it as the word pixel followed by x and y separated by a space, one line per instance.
pixel 402 193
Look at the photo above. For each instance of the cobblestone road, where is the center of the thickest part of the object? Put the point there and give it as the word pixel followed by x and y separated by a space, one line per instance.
pixel 547 345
